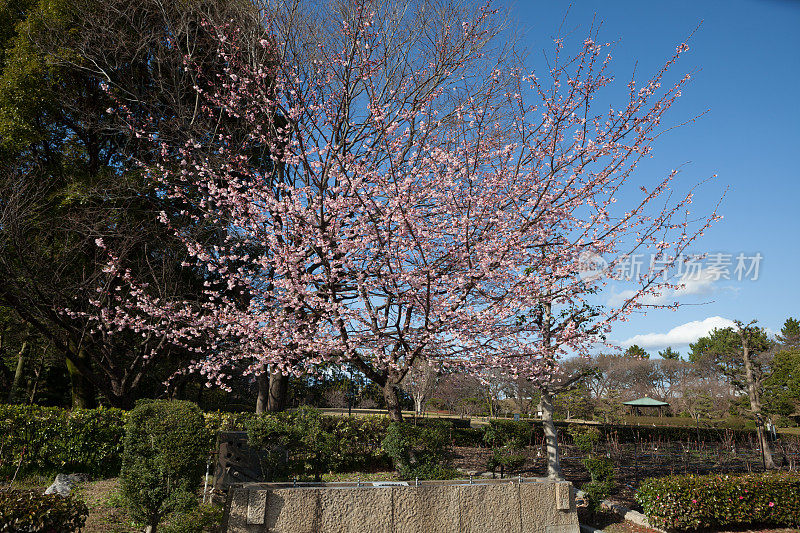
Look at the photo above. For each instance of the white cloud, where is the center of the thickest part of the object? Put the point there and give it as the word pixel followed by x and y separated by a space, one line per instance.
pixel 678 336
pixel 694 283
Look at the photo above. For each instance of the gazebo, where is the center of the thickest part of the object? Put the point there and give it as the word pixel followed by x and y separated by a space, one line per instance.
pixel 636 405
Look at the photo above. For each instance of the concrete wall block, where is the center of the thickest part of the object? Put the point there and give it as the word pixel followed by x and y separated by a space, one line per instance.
pixel 237 512
pixel 538 507
pixel 256 506
pixel 293 511
pixel 357 510
pixel 489 508
pixel 572 528
pixel 426 509
pixel 565 500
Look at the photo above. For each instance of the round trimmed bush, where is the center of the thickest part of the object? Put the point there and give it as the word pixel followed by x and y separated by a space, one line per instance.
pixel 166 446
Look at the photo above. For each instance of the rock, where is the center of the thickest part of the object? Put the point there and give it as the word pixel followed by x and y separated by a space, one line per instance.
pixel 63 483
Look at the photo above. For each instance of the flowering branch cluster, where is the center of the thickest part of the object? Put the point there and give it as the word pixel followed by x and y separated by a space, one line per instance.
pixel 388 199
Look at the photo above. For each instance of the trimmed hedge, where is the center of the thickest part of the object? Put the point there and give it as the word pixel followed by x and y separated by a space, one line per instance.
pixel 50 439
pixel 696 502
pixel 306 443
pixel 32 512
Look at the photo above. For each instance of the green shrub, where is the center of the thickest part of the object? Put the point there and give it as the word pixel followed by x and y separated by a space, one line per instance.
pixel 507 439
pixel 584 437
pixel 275 439
pixel 595 492
pixel 166 446
pixel 31 512
pixel 601 469
pixel 357 442
pixel 420 452
pixel 506 460
pixel 694 502
pixel 508 433
pixel 217 421
pixel 468 436
pixel 50 439
pixel 305 443
pixel 295 443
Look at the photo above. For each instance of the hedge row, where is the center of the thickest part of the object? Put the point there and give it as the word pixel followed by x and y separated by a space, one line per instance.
pixel 50 439
pixel 697 502
pixel 629 434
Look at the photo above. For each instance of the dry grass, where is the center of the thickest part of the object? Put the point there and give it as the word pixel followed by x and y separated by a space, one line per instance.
pixel 106 512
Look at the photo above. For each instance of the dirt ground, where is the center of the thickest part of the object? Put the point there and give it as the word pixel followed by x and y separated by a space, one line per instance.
pixel 106 513
pixel 632 463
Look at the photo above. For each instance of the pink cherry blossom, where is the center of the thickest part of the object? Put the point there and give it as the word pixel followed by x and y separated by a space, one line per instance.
pixel 382 204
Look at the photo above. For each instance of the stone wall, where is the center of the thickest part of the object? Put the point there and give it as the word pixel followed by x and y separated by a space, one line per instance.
pixel 501 506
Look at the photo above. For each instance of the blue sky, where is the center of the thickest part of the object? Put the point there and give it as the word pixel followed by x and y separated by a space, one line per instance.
pixel 747 57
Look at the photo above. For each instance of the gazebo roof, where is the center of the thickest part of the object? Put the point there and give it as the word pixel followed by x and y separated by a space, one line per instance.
pixel 646 402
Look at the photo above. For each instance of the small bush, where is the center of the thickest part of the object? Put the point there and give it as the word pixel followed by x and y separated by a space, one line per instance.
pixel 295 443
pixel 275 439
pixel 584 437
pixel 468 436
pixel 358 442
pixel 600 468
pixel 165 451
pixel 508 433
pixel 420 452
pixel 31 512
pixel 508 439
pixel 694 502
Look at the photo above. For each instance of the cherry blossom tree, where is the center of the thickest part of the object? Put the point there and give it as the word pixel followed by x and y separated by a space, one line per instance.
pixel 407 184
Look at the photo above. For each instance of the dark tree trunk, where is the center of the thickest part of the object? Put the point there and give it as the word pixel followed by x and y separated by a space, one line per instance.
pixel 262 382
pixel 83 392
pixel 13 391
pixel 391 394
pixel 278 391
pixel 177 387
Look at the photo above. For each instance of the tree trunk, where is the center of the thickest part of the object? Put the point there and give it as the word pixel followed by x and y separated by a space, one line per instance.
pixel 12 392
pixel 262 382
pixel 278 390
pixel 551 437
pixel 755 403
pixel 392 397
pixel 83 392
